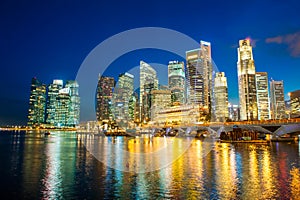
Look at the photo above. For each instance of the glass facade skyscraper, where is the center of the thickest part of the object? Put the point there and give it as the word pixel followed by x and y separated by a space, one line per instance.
pixel 148 82
pixel 60 108
pixel 176 80
pixel 195 81
pixel 221 97
pixel 263 103
pixel 37 103
pixel 247 81
pixel 294 103
pixel 199 75
pixel 74 111
pixel 53 90
pixel 277 100
pixel 121 97
pixel 104 94
pixel 206 64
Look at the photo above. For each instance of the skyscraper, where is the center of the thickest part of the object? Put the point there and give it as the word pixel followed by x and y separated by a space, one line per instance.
pixel 121 96
pixel 105 89
pixel 277 99
pixel 53 90
pixel 62 108
pixel 199 75
pixel 262 89
pixel 206 64
pixel 246 81
pixel 294 103
pixel 176 81
pixel 146 108
pixel 148 79
pixel 74 111
pixel 195 81
pixel 221 97
pixel 160 100
pixel 37 103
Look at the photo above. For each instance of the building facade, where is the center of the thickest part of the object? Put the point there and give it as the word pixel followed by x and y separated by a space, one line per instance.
pixel 206 64
pixel 263 103
pixel 62 108
pixel 221 97
pixel 74 111
pixel 121 97
pixel 37 103
pixel 294 104
pixel 148 82
pixel 277 100
pixel 161 99
pixel 53 91
pixel 247 81
pixel 194 76
pixel 105 89
pixel 176 81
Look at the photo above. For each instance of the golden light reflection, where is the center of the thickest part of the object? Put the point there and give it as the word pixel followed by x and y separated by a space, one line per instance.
pixel 251 183
pixel 226 172
pixel 268 191
pixel 295 183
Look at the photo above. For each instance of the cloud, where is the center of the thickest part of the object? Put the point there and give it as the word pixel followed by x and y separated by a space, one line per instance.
pixel 291 40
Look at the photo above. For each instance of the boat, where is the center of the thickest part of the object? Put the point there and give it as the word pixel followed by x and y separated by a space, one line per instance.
pixel 47 133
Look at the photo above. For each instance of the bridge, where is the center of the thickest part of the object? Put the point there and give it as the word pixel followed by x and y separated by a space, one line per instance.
pixel 273 127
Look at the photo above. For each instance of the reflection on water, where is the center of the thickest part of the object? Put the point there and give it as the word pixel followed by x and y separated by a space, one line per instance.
pixel 59 166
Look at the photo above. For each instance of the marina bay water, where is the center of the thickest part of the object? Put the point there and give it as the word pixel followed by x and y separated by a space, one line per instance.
pixel 59 166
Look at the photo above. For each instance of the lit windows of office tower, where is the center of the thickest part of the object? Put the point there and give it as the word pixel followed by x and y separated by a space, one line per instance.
pixel 263 103
pixel 160 99
pixel 176 81
pixel 206 64
pixel 62 108
pixel 53 90
pixel 149 79
pixel 105 89
pixel 37 103
pixel 221 97
pixel 74 111
pixel 294 104
pixel 195 91
pixel 246 81
pixel 277 100
pixel 146 108
pixel 121 97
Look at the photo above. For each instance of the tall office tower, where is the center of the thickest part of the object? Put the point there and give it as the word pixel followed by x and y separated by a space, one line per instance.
pixel 37 103
pixel 294 103
pixel 53 90
pixel 146 108
pixel 105 89
pixel 206 64
pixel 148 78
pixel 262 89
pixel 277 100
pixel 234 112
pixel 121 97
pixel 161 99
pixel 133 107
pixel 221 97
pixel 74 112
pixel 62 108
pixel 195 80
pixel 246 81
pixel 176 81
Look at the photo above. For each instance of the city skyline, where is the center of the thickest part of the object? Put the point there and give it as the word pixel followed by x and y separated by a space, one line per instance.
pixel 55 45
